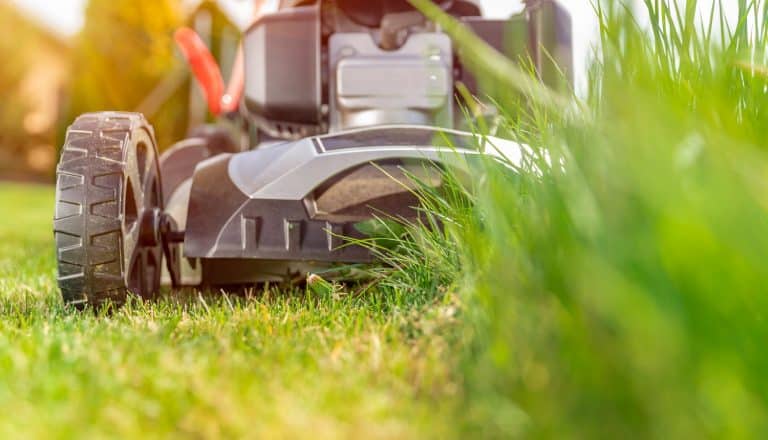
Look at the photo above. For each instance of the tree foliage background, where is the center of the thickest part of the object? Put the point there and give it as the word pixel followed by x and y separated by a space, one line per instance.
pixel 15 59
pixel 124 51
pixel 18 54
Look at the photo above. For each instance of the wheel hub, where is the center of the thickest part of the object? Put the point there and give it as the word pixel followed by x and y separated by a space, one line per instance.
pixel 149 232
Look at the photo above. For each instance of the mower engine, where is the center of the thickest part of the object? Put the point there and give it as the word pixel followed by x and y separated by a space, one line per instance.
pixel 336 65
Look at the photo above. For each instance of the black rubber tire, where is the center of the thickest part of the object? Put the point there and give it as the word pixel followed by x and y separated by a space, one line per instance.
pixel 107 186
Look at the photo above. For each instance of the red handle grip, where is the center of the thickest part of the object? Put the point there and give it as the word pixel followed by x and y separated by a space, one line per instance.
pixel 203 66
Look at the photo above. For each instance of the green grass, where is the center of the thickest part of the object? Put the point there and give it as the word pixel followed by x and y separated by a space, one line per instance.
pixel 271 365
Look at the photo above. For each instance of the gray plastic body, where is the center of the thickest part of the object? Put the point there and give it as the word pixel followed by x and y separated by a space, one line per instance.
pixel 283 87
pixel 263 204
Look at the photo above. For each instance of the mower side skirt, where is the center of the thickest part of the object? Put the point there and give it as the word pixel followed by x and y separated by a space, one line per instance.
pixel 223 222
pixel 258 204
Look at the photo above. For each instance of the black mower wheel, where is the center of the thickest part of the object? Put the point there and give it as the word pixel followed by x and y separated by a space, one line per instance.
pixel 109 209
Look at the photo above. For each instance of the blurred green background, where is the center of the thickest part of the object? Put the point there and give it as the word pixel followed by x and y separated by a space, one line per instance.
pixel 122 58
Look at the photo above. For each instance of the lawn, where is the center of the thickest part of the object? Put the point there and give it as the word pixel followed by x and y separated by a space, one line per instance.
pixel 610 286
pixel 272 364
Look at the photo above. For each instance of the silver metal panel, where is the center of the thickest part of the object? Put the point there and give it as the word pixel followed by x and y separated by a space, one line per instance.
pixel 416 84
pixel 371 86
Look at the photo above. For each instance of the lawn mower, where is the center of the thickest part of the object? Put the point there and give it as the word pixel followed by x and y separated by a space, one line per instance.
pixel 341 101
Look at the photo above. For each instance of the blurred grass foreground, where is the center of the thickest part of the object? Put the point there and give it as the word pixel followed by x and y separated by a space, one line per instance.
pixel 612 286
pixel 615 284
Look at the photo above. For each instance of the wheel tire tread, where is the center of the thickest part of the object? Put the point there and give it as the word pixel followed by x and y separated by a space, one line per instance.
pixel 89 245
